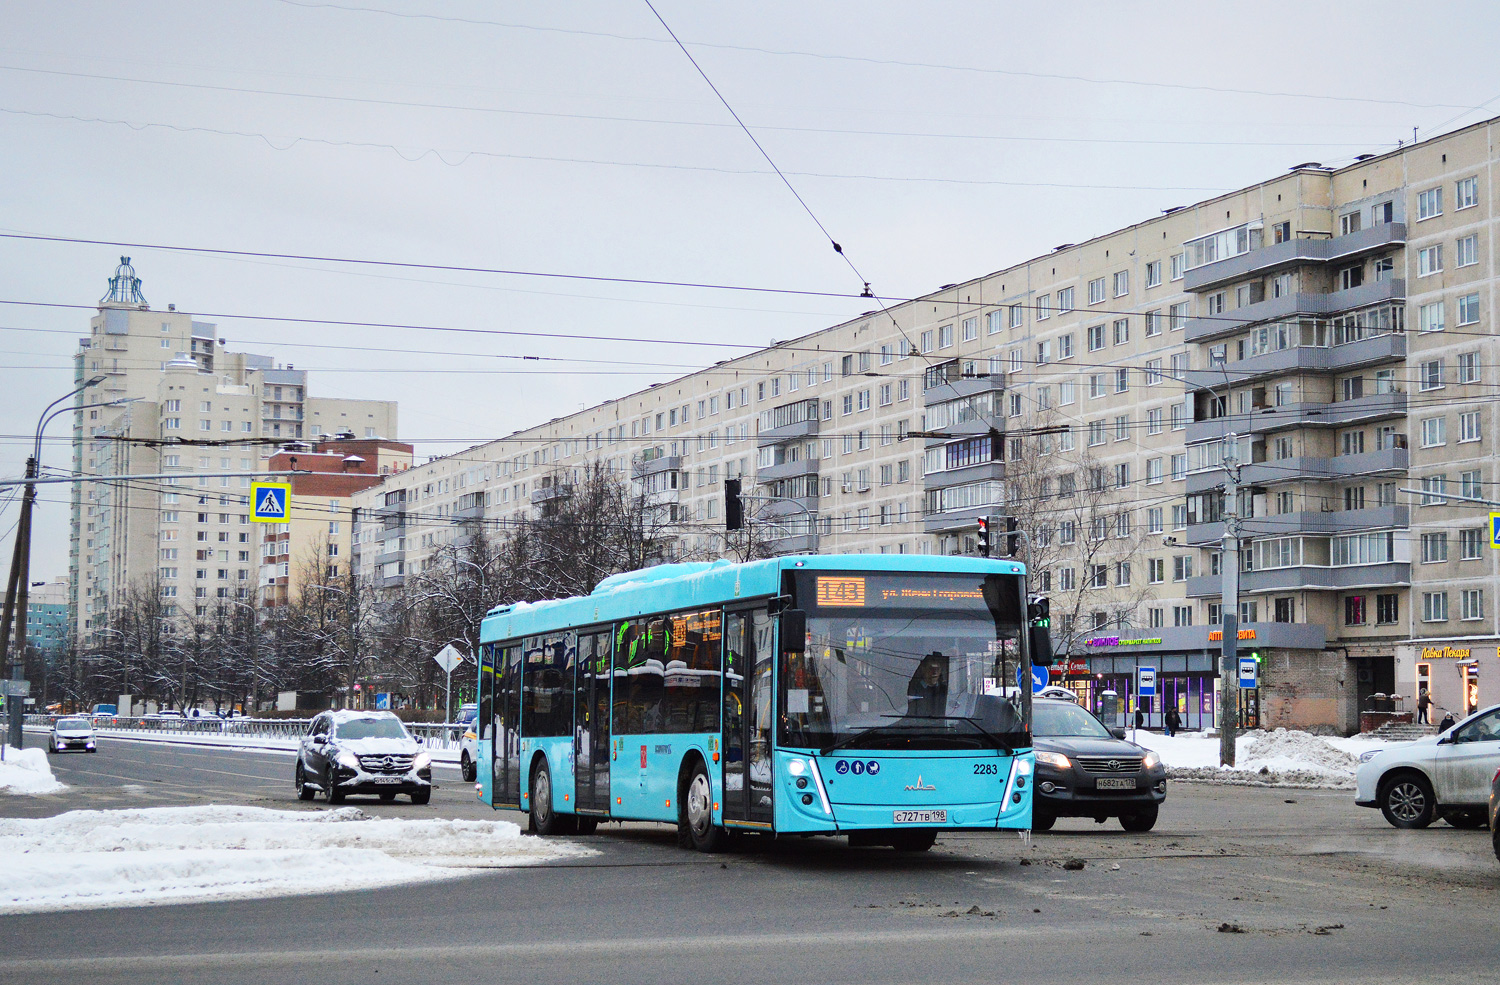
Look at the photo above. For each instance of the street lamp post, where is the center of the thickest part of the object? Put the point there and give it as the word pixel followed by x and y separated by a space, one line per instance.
pixel 20 567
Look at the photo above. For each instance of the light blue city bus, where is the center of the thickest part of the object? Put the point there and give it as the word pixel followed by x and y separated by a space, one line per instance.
pixel 873 696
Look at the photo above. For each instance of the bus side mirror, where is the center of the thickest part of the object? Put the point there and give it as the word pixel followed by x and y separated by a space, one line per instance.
pixel 794 631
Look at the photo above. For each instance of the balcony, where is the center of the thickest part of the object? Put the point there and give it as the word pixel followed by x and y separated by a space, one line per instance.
pixel 547 494
pixel 1288 524
pixel 969 473
pixel 966 518
pixel 787 470
pixel 791 544
pixel 1294 252
pixel 1372 351
pixel 1390 461
pixel 1374 407
pixel 794 509
pixel 1392 574
pixel 787 432
pixel 1208 329
pixel 963 386
pixel 640 468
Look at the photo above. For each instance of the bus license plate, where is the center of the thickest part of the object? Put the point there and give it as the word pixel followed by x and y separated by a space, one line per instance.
pixel 921 817
pixel 1115 783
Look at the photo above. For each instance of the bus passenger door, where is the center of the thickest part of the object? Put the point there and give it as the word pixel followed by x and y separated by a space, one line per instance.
pixel 507 748
pixel 749 649
pixel 591 735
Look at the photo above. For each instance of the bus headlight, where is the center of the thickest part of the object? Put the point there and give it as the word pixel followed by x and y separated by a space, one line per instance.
pixel 1054 759
pixel 796 767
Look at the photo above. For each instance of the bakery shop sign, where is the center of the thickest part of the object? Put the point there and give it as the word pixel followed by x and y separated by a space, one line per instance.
pixel 1445 652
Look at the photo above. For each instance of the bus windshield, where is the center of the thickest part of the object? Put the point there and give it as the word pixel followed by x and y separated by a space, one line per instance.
pixel 904 661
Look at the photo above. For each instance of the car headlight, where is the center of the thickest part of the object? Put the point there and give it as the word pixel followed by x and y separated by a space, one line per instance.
pixel 1365 757
pixel 1054 759
pixel 347 759
pixel 1152 760
pixel 422 761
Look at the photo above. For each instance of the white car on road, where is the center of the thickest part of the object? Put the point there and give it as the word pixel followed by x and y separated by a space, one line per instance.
pixel 1447 775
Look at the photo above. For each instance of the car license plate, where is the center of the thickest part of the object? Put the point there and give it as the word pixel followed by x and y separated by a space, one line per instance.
pixel 921 817
pixel 1115 783
pixel 388 779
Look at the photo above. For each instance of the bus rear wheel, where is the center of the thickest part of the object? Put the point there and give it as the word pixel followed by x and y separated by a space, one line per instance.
pixel 696 818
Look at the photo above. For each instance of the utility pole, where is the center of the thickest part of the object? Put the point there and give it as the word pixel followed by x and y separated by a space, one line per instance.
pixel 1229 569
pixel 15 607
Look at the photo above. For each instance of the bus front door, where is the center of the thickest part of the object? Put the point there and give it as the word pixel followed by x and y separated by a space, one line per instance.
pixel 507 747
pixel 591 736
pixel 749 648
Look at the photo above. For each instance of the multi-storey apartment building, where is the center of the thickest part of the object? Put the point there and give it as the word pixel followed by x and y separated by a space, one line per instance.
pixel 178 402
pixel 1334 322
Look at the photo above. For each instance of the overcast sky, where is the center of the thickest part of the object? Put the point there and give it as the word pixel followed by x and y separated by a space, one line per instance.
pixel 935 141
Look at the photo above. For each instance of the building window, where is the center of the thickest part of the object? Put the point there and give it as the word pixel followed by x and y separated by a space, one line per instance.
pixel 1466 252
pixel 1182 567
pixel 1434 548
pixel 1434 432
pixel 1153 273
pixel 1153 420
pixel 1182 615
pixel 1122 283
pixel 1065 346
pixel 1430 260
pixel 971 329
pixel 1096 338
pixel 1154 520
pixel 1122 381
pixel 1434 488
pixel 1468 426
pixel 1429 203
pixel 1466 194
pixel 1177 316
pixel 1471 603
pixel 1434 606
pixel 926 343
pixel 1471 544
pixel 1285 610
pixel 1354 610
pixel 1430 376
pixel 1096 291
pixel 1122 331
pixel 1386 608
pixel 1468 309
pixel 1156 571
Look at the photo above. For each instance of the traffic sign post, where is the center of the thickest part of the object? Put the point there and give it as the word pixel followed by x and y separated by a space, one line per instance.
pixel 449 659
pixel 270 502
pixel 1039 678
pixel 1249 672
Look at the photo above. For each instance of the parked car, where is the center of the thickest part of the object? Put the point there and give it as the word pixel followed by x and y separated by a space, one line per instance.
pixel 1446 775
pixel 362 752
pixel 1084 769
pixel 1495 813
pixel 468 743
pixel 74 732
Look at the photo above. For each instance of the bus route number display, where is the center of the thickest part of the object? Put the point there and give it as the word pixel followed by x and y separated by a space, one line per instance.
pixel 841 592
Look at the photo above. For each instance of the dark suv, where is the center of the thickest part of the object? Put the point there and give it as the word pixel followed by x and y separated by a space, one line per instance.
pixel 362 752
pixel 1086 770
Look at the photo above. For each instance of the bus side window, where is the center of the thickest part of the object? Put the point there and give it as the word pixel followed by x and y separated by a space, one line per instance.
pixel 640 690
pixel 692 672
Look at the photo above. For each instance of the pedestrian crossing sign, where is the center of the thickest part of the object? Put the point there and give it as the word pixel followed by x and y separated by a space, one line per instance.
pixel 1495 529
pixel 270 501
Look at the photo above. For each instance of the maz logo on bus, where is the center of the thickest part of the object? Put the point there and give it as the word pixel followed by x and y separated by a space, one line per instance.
pixel 919 785
pixel 856 766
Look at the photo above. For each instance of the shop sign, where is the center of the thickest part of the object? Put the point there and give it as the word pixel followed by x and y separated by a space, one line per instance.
pixel 1218 634
pixel 1116 641
pixel 1078 666
pixel 1450 652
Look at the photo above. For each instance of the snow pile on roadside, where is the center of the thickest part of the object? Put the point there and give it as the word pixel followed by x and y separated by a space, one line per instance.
pixel 26 771
pixel 1285 757
pixel 89 859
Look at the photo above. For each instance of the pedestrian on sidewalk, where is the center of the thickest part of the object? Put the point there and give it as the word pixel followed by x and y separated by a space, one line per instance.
pixel 1171 721
pixel 1140 715
pixel 1423 703
pixel 1446 723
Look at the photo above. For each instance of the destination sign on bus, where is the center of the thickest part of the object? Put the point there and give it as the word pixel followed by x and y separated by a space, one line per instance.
pixel 847 593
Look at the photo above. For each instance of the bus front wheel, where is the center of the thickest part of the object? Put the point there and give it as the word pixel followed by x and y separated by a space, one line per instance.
pixel 545 820
pixel 697 815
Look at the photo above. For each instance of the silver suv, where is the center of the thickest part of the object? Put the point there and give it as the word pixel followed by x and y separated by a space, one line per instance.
pixel 362 752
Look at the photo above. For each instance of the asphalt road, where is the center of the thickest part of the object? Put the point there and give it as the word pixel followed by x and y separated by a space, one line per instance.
pixel 1305 886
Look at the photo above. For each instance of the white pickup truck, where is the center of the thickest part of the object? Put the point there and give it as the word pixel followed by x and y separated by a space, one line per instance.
pixel 1447 775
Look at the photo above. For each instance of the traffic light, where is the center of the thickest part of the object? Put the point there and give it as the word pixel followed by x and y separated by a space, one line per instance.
pixel 1012 536
pixel 984 536
pixel 1039 630
pixel 734 510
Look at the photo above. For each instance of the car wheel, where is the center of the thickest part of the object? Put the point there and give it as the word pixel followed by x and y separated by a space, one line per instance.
pixel 544 819
pixel 1495 841
pixel 1142 820
pixel 695 818
pixel 420 797
pixel 335 795
pixel 1407 801
pixel 1467 819
pixel 304 792
pixel 1041 821
pixel 467 769
pixel 913 841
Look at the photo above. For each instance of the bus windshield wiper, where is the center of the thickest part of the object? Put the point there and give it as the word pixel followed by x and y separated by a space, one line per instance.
pixel 853 737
